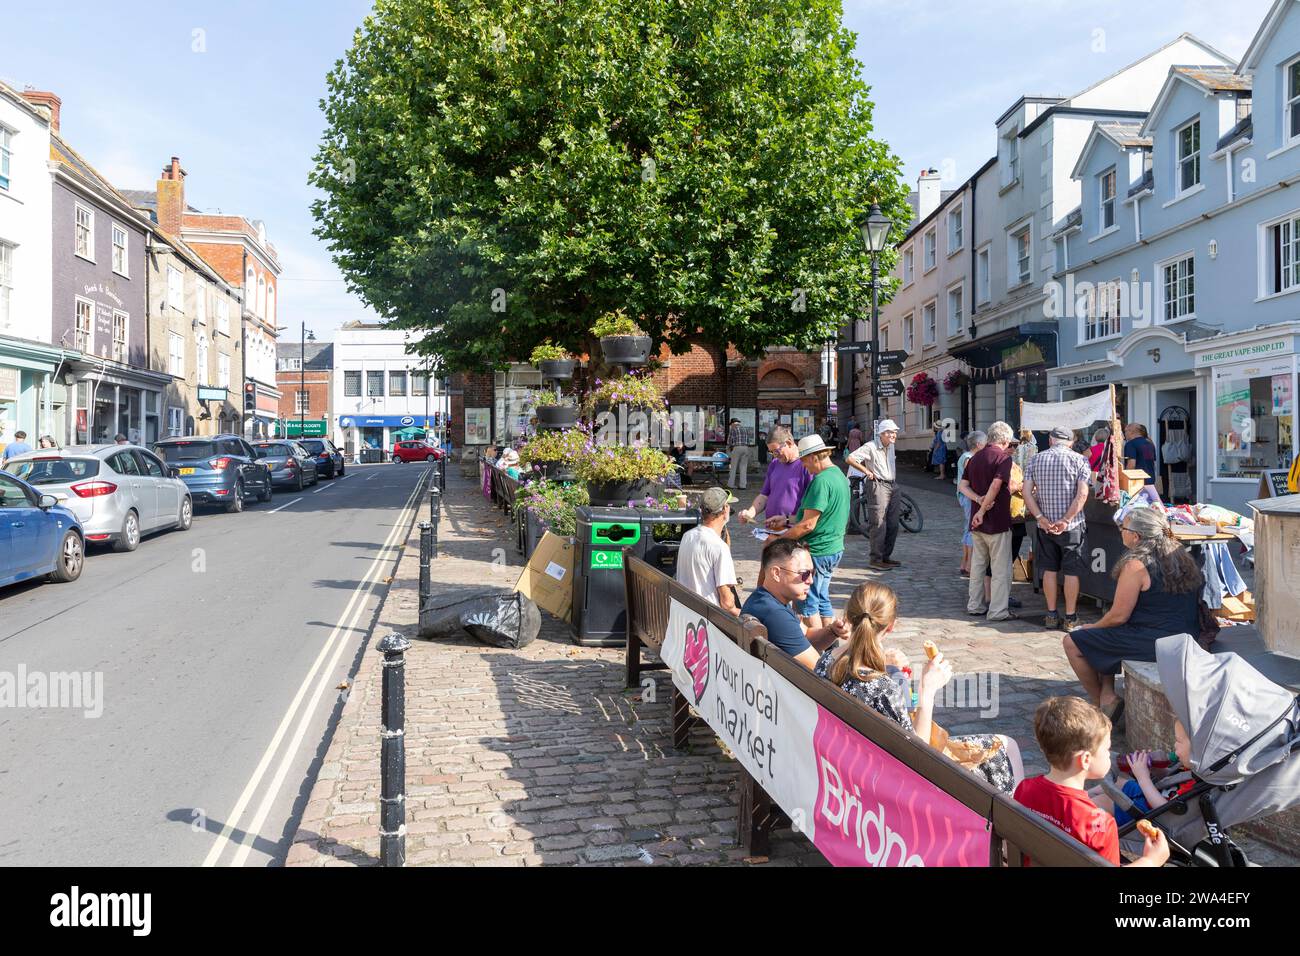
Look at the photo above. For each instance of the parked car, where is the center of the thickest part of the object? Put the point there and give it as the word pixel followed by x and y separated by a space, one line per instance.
pixel 329 460
pixel 218 469
pixel 416 450
pixel 118 493
pixel 38 536
pixel 290 463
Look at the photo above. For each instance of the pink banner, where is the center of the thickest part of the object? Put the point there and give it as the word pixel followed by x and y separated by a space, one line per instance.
pixel 873 810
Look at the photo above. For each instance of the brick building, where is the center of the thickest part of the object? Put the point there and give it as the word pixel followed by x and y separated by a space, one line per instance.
pixel 785 385
pixel 305 377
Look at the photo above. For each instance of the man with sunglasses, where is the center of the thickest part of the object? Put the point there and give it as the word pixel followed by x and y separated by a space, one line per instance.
pixel 787 574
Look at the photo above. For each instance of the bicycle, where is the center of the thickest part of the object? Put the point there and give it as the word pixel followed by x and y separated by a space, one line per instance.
pixel 910 518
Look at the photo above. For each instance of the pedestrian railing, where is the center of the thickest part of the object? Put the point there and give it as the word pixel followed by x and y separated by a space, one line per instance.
pixel 931 779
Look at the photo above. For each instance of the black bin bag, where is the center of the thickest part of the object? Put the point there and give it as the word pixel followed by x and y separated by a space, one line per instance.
pixel 492 615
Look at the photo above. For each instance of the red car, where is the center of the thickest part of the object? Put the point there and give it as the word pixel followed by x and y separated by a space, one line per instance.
pixel 405 451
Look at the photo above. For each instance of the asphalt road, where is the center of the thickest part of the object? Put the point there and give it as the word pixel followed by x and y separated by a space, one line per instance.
pixel 220 650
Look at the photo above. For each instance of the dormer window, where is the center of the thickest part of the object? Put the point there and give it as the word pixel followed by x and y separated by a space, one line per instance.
pixel 1106 190
pixel 1013 157
pixel 1189 156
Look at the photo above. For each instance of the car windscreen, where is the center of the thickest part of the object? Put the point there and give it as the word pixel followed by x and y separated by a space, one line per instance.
pixel 315 447
pixel 275 451
pixel 186 450
pixel 53 471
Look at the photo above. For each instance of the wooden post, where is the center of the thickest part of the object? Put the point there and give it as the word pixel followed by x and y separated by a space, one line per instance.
pixel 682 720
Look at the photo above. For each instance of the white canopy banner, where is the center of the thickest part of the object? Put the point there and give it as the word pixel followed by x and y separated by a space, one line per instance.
pixel 1079 413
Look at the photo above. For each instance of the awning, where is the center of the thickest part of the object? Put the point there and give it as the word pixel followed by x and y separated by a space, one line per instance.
pixel 1030 345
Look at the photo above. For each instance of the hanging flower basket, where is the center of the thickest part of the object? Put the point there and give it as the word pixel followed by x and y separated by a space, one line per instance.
pixel 923 391
pixel 955 380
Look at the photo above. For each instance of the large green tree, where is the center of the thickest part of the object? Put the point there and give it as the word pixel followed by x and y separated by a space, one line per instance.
pixel 497 172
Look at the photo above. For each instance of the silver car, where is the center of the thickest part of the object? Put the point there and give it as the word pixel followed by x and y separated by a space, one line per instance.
pixel 118 492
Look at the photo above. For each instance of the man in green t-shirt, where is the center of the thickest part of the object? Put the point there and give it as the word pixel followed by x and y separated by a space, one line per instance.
pixel 820 524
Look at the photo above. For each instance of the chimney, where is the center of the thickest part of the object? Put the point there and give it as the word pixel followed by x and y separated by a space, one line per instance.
pixel 47 103
pixel 171 197
pixel 927 193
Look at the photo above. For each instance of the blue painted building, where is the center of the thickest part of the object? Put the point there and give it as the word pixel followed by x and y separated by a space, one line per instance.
pixel 1174 279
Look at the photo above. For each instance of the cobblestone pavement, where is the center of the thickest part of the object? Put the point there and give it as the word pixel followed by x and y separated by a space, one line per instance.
pixel 541 756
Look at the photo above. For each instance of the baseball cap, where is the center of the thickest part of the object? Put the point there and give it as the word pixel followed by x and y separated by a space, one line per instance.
pixel 888 425
pixel 715 499
pixel 1062 434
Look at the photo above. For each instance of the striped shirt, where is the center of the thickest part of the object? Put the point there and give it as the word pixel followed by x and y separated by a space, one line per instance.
pixel 1054 476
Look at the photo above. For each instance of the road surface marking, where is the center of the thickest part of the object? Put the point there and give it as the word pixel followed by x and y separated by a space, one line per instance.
pixel 359 595
pixel 370 477
pixel 283 506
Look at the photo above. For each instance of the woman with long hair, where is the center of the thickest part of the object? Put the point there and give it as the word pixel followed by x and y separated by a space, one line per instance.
pixel 1157 593
pixel 865 670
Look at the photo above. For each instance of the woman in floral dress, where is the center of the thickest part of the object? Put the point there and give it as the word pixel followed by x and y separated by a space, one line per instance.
pixel 866 671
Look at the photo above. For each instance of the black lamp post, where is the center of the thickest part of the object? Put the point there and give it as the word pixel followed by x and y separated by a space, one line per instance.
pixel 302 380
pixel 875 233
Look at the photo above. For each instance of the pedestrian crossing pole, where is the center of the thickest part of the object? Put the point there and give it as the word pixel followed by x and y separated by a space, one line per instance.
pixel 392 754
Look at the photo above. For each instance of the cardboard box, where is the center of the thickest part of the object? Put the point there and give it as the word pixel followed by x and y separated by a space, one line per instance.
pixel 548 579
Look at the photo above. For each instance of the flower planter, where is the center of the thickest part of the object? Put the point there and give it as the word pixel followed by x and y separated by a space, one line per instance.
pixel 532 529
pixel 557 416
pixel 616 494
pixel 554 470
pixel 626 349
pixel 557 370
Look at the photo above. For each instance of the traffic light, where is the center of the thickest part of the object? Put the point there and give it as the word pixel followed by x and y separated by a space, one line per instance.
pixel 250 398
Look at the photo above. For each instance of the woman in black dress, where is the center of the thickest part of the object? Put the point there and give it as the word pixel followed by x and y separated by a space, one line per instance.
pixel 866 671
pixel 1157 593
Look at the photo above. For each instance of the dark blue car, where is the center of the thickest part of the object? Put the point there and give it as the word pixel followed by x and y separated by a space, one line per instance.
pixel 38 537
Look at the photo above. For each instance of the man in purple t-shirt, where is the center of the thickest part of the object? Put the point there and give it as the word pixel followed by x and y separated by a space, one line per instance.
pixel 785 482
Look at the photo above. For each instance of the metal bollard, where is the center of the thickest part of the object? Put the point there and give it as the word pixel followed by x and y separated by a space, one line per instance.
pixel 435 516
pixel 392 754
pixel 426 555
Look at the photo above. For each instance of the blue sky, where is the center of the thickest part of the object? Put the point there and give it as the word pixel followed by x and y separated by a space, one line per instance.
pixel 242 113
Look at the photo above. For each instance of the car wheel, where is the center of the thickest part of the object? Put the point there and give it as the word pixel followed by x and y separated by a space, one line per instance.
pixel 72 556
pixel 236 503
pixel 129 539
pixel 431 459
pixel 187 514
pixel 300 482
pixel 341 471
pixel 267 490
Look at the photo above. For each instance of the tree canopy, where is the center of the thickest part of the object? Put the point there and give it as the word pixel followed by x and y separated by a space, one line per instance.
pixel 497 173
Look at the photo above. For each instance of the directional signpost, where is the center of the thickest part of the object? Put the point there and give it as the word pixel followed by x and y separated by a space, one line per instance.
pixel 889 363
pixel 893 357
pixel 891 388
pixel 853 348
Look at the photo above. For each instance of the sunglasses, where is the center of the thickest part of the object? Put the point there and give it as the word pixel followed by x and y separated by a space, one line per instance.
pixel 804 576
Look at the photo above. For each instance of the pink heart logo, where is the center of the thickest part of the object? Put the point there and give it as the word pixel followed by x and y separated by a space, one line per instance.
pixel 696 656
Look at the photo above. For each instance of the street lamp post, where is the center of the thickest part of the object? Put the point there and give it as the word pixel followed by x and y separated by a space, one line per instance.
pixel 875 233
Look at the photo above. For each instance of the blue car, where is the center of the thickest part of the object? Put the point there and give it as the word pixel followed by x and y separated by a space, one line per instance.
pixel 37 536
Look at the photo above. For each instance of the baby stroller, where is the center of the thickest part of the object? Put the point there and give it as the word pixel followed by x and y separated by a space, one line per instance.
pixel 1244 730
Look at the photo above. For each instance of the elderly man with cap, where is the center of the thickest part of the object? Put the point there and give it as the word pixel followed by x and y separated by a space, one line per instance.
pixel 876 460
pixel 820 525
pixel 1056 489
pixel 704 561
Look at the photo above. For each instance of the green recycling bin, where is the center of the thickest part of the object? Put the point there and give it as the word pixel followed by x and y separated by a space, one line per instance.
pixel 604 537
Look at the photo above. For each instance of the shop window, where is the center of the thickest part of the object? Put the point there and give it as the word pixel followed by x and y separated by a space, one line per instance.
pixel 1254 412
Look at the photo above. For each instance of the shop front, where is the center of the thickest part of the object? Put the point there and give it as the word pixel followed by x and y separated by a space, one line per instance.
pixel 371 437
pixel 33 390
pixel 265 413
pixel 1250 431
pixel 1004 369
pixel 113 399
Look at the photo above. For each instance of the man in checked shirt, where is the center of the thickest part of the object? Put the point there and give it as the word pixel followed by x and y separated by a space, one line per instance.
pixel 1056 489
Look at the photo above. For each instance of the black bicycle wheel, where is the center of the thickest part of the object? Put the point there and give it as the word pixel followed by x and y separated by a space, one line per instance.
pixel 910 517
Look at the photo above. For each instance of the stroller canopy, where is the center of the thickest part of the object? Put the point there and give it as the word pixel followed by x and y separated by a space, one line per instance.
pixel 1224 703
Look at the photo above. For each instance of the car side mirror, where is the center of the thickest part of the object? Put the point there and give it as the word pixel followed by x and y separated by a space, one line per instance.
pixel 173 471
pixel 47 502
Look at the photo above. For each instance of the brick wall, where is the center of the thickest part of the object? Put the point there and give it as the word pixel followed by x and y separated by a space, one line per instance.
pixel 318 393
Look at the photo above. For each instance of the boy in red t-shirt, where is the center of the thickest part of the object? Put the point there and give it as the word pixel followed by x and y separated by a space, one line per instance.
pixel 1075 738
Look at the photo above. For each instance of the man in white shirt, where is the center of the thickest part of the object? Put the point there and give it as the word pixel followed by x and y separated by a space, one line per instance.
pixel 876 461
pixel 704 561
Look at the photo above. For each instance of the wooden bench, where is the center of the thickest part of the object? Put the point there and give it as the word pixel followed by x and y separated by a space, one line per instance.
pixel 1014 829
